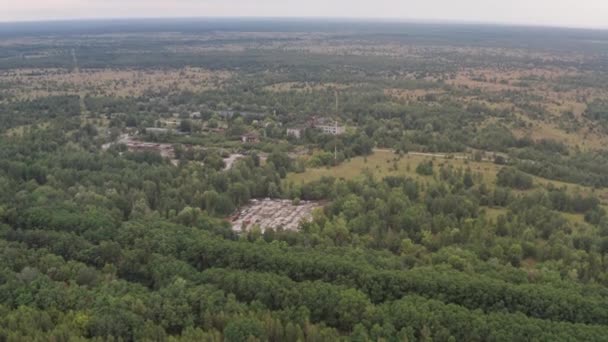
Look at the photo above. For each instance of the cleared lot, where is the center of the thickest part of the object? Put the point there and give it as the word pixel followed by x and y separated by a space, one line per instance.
pixel 269 213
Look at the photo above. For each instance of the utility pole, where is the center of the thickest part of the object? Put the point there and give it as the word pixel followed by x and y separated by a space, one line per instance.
pixel 336 129
pixel 336 144
pixel 337 103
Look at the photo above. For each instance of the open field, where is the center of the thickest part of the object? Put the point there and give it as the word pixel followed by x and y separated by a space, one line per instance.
pixel 411 94
pixel 20 130
pixel 384 163
pixel 493 213
pixel 34 83
pixel 580 138
pixel 306 86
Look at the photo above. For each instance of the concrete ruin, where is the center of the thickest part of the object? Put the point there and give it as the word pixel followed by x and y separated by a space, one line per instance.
pixel 231 160
pixel 165 150
pixel 273 213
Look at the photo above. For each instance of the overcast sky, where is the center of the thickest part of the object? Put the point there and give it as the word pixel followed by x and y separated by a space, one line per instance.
pixel 575 13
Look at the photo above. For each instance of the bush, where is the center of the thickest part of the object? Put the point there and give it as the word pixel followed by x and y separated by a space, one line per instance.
pixel 514 178
pixel 425 168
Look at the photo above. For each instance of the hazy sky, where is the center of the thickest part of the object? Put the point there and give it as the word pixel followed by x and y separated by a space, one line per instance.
pixel 579 13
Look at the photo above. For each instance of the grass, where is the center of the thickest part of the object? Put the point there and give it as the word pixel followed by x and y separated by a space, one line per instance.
pixel 384 163
pixel 36 83
pixel 20 130
pixel 306 87
pixel 601 194
pixel 581 138
pixel 575 218
pixel 493 213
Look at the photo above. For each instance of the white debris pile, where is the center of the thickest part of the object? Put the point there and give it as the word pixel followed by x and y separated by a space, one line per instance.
pixel 229 162
pixel 165 150
pixel 269 213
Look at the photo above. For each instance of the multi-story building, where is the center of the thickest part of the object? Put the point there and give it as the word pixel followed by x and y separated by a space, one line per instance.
pixel 334 129
pixel 295 132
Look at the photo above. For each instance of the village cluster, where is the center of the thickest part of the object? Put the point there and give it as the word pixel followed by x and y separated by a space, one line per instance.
pixel 261 213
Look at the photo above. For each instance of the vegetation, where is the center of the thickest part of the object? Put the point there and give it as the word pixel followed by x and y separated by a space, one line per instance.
pixel 465 199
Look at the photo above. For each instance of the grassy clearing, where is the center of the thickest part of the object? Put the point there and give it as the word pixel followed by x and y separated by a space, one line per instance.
pixel 100 122
pixel 411 94
pixel 386 163
pixel 35 83
pixel 306 86
pixel 20 130
pixel 543 130
pixel 575 218
pixel 492 214
pixel 602 194
pixel 382 163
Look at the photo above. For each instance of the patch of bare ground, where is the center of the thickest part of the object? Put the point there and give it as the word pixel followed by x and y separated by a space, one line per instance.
pixel 33 83
pixel 307 86
pixel 410 94
pixel 499 79
pixel 581 138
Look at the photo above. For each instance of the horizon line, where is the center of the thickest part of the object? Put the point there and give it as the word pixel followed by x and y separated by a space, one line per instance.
pixel 303 18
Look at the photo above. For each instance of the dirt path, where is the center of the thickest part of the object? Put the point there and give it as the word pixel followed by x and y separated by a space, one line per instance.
pixel 434 155
pixel 75 60
pixel 83 106
pixel 423 154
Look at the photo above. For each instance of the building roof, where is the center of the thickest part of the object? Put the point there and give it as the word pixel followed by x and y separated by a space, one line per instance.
pixel 251 135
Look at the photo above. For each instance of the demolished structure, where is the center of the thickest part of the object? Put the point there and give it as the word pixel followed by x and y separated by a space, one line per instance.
pixel 273 213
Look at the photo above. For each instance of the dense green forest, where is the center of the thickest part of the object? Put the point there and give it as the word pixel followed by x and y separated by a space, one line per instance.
pixel 465 199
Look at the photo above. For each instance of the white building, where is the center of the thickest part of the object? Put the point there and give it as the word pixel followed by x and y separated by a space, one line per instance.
pixel 295 132
pixel 332 129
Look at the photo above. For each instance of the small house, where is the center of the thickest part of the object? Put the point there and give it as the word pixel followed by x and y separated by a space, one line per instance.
pixel 295 132
pixel 250 138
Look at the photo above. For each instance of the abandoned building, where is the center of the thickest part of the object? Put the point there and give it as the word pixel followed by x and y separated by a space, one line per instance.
pixel 250 138
pixel 295 132
pixel 165 150
pixel 334 129
pixel 326 125
pixel 231 160
pixel 273 213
